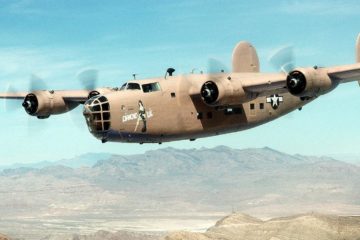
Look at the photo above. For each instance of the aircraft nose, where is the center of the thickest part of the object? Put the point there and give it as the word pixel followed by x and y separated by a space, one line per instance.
pixel 97 115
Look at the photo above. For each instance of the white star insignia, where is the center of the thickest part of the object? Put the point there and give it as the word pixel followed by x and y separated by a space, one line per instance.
pixel 275 100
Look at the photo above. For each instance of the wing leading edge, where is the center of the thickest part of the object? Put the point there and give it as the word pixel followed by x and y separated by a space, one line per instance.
pixel 17 95
pixel 346 73
pixel 79 96
pixel 267 84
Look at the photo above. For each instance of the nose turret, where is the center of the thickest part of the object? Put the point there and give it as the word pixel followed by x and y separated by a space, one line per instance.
pixel 97 116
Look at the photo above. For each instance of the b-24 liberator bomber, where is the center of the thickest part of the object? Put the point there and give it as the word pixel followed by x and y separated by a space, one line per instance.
pixel 192 106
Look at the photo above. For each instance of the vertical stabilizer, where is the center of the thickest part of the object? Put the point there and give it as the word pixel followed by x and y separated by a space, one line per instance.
pixel 245 58
pixel 358 49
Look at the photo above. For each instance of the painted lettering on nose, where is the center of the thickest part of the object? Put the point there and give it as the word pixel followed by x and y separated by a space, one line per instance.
pixel 130 117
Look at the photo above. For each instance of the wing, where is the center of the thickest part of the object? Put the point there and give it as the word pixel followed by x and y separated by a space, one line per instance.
pixel 18 95
pixel 264 84
pixel 79 96
pixel 346 73
pixel 267 84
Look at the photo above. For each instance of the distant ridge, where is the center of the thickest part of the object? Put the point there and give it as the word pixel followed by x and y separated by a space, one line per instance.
pixel 91 159
pixel 299 227
pixel 84 160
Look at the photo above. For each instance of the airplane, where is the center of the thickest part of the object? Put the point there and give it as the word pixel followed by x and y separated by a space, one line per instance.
pixel 192 106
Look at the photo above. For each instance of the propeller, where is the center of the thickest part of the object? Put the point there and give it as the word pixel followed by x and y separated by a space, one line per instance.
pixel 36 127
pixel 283 59
pixel 11 105
pixel 89 78
pixel 216 66
pixel 209 90
pixel 30 102
pixel 35 84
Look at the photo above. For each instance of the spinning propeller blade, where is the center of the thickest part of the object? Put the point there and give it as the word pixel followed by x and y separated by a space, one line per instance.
pixel 283 59
pixel 89 78
pixel 216 66
pixel 12 104
pixel 36 83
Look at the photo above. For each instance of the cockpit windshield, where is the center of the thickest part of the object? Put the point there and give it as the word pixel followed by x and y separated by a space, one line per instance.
pixel 130 86
pixel 123 87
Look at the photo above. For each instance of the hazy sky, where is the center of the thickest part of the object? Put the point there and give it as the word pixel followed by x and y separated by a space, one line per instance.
pixel 57 39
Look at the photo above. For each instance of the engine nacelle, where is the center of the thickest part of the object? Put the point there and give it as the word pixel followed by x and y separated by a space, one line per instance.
pixel 224 93
pixel 42 104
pixel 309 82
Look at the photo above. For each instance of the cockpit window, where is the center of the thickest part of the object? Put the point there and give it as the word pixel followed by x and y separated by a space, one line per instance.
pixel 151 87
pixel 123 87
pixel 130 86
pixel 133 86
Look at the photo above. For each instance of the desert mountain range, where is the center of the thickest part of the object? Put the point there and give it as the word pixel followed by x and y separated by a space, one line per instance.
pixel 171 189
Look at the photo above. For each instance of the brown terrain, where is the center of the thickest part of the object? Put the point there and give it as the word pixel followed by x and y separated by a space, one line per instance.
pixel 300 227
pixel 2 237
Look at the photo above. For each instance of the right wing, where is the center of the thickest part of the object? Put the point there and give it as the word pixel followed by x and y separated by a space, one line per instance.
pixel 18 95
pixel 79 96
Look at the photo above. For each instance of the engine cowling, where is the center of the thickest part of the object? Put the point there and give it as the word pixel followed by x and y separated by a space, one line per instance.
pixel 42 104
pixel 223 93
pixel 309 82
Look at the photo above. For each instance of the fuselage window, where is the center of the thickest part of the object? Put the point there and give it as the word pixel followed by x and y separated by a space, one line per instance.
pixel 151 87
pixel 230 111
pixel 261 105
pixel 237 110
pixel 252 106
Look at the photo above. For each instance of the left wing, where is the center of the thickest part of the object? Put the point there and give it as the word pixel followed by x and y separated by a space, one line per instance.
pixel 345 73
pixel 266 84
pixel 277 83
